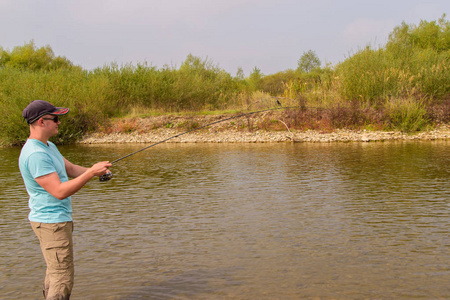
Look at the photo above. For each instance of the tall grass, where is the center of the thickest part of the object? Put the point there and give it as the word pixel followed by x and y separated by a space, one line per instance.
pixel 380 88
pixel 78 90
pixel 111 91
pixel 407 114
pixel 196 85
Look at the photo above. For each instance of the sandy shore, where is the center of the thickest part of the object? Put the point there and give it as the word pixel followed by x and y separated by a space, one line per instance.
pixel 213 135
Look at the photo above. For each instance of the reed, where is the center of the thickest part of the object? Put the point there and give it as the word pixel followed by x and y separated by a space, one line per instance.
pixel 407 115
pixel 111 91
pixel 402 86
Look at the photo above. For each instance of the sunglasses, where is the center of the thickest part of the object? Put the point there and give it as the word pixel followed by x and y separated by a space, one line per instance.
pixel 54 119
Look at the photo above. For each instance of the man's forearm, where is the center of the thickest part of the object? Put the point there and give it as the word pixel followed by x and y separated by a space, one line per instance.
pixel 61 190
pixel 72 186
pixel 77 171
pixel 73 171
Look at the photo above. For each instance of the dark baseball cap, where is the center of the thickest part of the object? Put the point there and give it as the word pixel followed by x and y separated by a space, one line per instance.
pixel 39 108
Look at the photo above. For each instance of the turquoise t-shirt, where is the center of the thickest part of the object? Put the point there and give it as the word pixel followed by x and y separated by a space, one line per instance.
pixel 38 159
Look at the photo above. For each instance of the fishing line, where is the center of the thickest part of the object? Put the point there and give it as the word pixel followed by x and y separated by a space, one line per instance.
pixel 109 175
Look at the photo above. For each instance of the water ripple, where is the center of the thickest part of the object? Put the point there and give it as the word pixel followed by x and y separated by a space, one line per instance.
pixel 270 221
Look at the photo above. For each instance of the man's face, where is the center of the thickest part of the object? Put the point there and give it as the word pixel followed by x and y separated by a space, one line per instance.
pixel 51 123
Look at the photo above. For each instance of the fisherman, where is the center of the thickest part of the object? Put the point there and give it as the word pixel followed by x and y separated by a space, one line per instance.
pixel 46 176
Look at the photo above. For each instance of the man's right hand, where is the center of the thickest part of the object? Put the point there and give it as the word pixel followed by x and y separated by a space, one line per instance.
pixel 100 168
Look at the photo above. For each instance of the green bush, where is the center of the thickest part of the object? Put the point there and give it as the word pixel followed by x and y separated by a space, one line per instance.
pixel 74 89
pixel 275 84
pixel 415 61
pixel 29 57
pixel 382 86
pixel 407 115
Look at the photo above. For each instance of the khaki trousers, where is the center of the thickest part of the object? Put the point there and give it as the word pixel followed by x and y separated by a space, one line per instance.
pixel 57 248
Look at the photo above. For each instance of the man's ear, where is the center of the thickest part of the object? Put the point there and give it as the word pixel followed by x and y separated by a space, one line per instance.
pixel 38 122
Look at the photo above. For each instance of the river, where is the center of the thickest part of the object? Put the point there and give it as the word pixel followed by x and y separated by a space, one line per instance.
pixel 246 221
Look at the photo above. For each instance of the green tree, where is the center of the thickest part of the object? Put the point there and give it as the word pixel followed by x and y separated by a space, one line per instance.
pixel 275 84
pixel 427 35
pixel 308 62
pixel 32 58
pixel 255 79
pixel 240 74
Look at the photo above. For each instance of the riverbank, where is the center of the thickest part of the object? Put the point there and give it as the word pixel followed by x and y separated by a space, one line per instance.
pixel 261 136
pixel 156 129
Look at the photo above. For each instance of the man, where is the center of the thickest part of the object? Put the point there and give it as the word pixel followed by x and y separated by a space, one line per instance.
pixel 46 176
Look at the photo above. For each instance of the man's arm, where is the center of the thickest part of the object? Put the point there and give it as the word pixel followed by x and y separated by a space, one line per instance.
pixel 73 171
pixel 61 190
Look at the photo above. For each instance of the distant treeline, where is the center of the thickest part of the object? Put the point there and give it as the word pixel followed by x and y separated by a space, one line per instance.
pixel 404 85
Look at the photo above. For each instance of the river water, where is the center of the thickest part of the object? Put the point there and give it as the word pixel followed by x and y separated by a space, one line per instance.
pixel 246 221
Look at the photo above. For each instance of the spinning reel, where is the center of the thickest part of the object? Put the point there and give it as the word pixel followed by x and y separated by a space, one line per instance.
pixel 106 177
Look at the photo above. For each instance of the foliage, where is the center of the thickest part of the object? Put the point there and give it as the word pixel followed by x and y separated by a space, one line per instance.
pixel 255 80
pixel 196 85
pixel 407 115
pixel 308 62
pixel 433 35
pixel 415 62
pixel 404 85
pixel 276 83
pixel 29 57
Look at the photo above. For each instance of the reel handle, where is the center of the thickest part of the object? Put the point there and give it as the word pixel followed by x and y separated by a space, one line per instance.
pixel 107 177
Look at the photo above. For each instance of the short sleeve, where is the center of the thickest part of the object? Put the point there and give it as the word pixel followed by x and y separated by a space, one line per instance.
pixel 40 164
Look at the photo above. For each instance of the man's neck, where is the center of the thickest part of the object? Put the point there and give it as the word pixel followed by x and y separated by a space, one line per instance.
pixel 39 137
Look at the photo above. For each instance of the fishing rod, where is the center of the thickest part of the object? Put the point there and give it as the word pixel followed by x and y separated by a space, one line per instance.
pixel 109 175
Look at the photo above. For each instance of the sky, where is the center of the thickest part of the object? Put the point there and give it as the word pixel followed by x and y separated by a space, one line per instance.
pixel 270 35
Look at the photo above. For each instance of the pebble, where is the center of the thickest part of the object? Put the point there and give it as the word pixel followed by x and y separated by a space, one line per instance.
pixel 236 136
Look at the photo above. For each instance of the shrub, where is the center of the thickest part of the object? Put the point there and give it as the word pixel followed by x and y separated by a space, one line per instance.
pixel 372 88
pixel 407 114
pixel 29 57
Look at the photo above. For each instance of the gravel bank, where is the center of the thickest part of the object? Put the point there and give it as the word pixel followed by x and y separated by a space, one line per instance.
pixel 213 135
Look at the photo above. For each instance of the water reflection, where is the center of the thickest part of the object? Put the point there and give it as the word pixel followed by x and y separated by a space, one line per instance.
pixel 258 221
